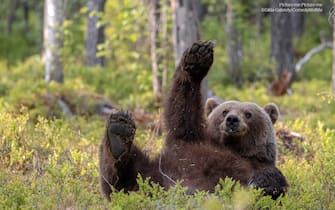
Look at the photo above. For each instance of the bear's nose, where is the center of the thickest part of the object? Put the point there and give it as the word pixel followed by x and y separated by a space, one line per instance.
pixel 232 122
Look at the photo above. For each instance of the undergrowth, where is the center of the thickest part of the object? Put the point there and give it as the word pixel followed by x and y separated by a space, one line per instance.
pixel 50 162
pixel 53 164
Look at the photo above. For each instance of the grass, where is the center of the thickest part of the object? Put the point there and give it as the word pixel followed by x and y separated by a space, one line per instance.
pixel 49 162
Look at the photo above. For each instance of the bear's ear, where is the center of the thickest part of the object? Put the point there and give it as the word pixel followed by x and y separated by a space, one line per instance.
pixel 210 105
pixel 272 111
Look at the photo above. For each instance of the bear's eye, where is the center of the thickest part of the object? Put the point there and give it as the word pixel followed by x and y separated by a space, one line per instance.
pixel 224 113
pixel 248 115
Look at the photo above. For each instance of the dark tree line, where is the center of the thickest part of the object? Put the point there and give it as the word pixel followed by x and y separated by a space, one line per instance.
pixel 186 15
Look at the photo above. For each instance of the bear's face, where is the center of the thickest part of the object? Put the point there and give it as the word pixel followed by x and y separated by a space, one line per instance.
pixel 243 125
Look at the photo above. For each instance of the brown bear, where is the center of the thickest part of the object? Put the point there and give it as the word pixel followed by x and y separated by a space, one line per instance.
pixel 190 152
pixel 245 128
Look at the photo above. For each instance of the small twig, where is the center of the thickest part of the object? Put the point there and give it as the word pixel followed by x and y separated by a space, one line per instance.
pixel 105 179
pixel 161 171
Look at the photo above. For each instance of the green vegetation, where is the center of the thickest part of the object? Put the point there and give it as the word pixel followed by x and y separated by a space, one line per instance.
pixel 51 162
pixel 48 161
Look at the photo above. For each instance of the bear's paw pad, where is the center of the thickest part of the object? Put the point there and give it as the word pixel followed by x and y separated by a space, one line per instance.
pixel 121 131
pixel 199 57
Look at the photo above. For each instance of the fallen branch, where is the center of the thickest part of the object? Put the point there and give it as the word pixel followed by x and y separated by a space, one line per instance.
pixel 106 110
pixel 66 109
pixel 287 137
pixel 312 52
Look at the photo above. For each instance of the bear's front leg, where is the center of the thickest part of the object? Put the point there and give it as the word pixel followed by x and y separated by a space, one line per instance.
pixel 183 114
pixel 271 180
pixel 196 61
pixel 116 159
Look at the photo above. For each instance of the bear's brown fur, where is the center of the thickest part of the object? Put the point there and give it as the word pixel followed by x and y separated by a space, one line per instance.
pixel 119 160
pixel 188 154
pixel 245 128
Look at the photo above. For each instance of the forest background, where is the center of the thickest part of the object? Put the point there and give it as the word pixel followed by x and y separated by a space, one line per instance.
pixel 65 65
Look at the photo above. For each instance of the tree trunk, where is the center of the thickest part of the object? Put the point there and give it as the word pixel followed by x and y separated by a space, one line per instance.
pixel 165 44
pixel 185 26
pixel 40 24
pixel 281 40
pixel 186 30
pixel 154 20
pixel 53 40
pixel 94 33
pixel 258 19
pixel 233 45
pixel 12 5
pixel 333 75
pixel 25 8
pixel 200 9
pixel 298 20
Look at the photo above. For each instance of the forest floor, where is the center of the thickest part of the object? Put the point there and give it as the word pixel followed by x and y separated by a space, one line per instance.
pixel 50 161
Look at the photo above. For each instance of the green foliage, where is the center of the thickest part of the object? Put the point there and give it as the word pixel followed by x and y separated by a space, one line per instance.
pixel 74 41
pixel 49 162
pixel 14 47
pixel 53 163
pixel 319 66
pixel 51 158
pixel 84 88
pixel 255 46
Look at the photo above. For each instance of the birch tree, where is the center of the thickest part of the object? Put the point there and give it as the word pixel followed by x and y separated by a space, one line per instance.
pixel 53 40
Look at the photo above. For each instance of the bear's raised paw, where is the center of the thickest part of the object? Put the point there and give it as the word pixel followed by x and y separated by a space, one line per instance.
pixel 198 59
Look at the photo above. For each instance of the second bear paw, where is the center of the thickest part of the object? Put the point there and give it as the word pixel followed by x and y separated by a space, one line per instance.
pixel 120 132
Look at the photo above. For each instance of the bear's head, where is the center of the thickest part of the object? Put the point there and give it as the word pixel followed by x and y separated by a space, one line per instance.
pixel 244 127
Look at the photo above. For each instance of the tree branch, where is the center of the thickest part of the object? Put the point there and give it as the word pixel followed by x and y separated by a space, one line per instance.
pixel 66 109
pixel 312 52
